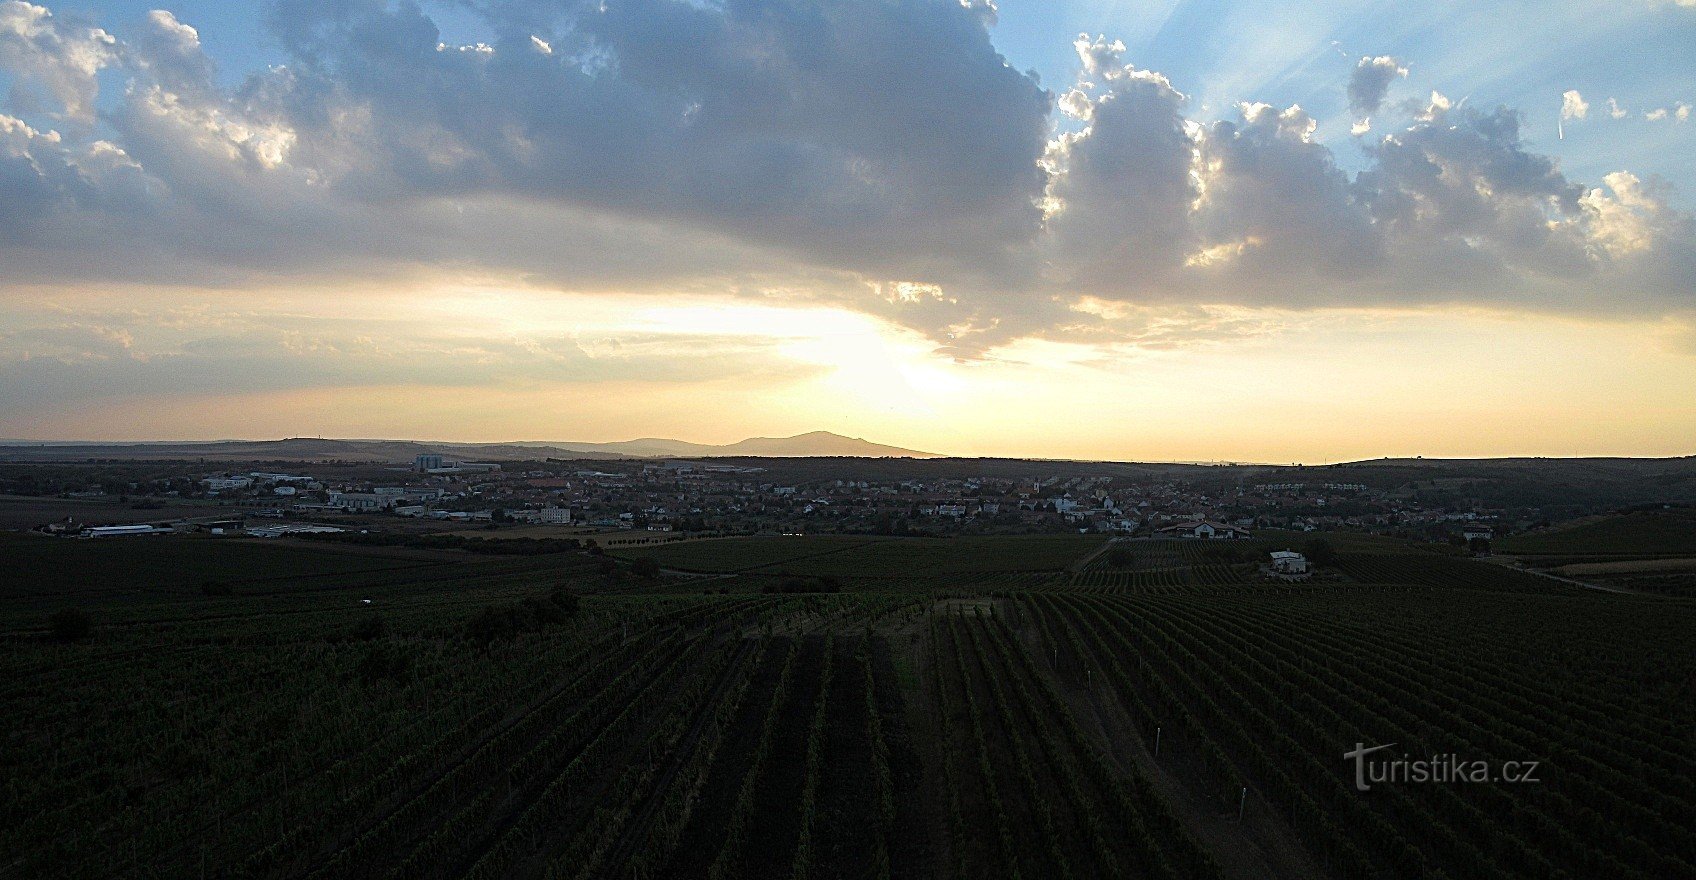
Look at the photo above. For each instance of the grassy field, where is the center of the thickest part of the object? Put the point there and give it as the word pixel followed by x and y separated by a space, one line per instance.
pixel 966 707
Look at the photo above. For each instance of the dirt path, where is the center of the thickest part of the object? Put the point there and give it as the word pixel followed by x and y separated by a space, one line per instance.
pixel 635 832
pixel 1083 561
pixel 1258 848
pixel 1565 580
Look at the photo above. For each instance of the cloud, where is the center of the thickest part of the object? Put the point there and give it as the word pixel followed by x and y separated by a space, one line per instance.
pixel 1573 105
pixel 55 60
pixel 881 157
pixel 45 360
pixel 1371 81
pixel 1120 189
pixel 1615 110
pixel 1679 112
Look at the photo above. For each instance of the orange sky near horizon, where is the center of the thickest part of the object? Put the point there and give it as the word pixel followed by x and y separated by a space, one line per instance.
pixel 481 363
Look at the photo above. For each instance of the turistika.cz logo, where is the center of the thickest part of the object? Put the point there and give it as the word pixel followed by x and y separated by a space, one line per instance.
pixel 1439 768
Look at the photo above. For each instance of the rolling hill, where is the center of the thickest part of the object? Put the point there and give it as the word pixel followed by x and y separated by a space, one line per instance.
pixel 815 443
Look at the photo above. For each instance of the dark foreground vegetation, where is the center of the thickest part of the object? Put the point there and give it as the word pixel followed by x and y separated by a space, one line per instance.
pixel 836 708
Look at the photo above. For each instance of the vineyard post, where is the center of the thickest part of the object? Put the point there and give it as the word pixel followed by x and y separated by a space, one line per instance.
pixel 1242 802
pixel 1156 742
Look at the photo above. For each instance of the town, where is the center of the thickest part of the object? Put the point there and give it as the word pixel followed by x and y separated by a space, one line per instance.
pixel 692 497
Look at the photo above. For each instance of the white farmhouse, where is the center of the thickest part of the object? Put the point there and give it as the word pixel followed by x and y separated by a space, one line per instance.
pixel 1289 562
pixel 1204 528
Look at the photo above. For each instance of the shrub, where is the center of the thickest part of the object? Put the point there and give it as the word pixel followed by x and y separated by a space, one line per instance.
pixel 646 567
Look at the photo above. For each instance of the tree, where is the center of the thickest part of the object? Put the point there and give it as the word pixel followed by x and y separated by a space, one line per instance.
pixel 71 624
pixel 646 567
pixel 1320 552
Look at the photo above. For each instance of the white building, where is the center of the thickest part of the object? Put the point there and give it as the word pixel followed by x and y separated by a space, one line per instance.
pixel 1204 528
pixel 1289 562
pixel 220 484
pixel 278 531
pixel 361 501
pixel 124 531
pixel 265 477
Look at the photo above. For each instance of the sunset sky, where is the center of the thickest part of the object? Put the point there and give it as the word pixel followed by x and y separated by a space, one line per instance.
pixel 1256 231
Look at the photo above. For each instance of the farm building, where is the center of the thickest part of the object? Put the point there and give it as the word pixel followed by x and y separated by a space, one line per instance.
pixel 124 531
pixel 1289 562
pixel 221 526
pixel 1203 529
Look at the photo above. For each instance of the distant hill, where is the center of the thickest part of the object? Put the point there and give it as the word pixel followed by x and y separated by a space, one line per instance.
pixel 816 443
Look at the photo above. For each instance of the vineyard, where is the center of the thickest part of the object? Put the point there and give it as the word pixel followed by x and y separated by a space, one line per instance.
pixel 945 712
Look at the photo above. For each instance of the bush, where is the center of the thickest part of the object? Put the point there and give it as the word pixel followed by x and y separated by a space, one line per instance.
pixel 646 567
pixel 71 624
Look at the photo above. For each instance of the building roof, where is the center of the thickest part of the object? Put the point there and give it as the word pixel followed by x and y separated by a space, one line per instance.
pixel 1196 524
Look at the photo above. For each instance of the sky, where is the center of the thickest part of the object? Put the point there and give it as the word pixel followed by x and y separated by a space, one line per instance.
pixel 1204 230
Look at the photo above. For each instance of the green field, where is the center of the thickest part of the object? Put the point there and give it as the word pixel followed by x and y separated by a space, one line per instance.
pixel 965 708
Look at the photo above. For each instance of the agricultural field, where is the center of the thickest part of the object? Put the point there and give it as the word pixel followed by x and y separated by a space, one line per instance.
pixel 1663 532
pixel 925 565
pixel 1646 551
pixel 24 512
pixel 953 709
pixel 723 555
pixel 44 568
